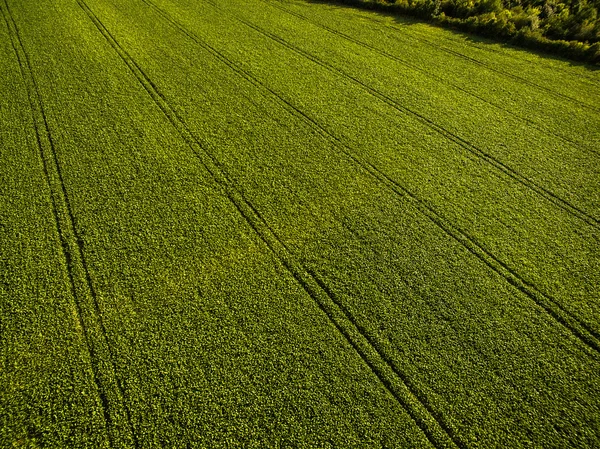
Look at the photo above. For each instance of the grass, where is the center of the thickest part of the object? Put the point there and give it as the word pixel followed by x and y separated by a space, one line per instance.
pixel 271 224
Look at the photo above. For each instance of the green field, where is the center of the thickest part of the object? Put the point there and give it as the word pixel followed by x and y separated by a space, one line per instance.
pixel 280 223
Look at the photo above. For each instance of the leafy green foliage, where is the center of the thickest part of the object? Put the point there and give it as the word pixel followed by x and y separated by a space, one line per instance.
pixel 571 28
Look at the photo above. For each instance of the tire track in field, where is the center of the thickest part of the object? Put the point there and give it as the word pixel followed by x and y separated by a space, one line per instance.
pixel 576 326
pixel 428 74
pixel 587 335
pixel 396 383
pixel 88 313
pixel 491 160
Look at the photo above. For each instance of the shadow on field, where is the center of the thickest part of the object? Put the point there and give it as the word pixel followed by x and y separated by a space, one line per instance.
pixel 478 41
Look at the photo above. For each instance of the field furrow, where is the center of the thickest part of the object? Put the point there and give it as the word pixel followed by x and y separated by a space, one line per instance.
pixel 579 327
pixel 395 382
pixel 257 359
pixel 549 195
pixel 88 313
pixel 575 325
pixel 500 142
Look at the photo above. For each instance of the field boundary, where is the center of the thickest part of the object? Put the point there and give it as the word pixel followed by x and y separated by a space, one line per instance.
pixel 588 336
pixel 486 48
pixel 401 61
pixel 436 431
pixel 529 37
pixel 88 315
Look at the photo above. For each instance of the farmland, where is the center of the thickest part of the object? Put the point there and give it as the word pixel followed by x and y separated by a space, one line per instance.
pixel 267 223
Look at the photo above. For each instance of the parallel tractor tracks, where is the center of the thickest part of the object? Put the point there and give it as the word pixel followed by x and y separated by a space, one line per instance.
pixel 87 307
pixel 574 324
pixel 481 154
pixel 433 425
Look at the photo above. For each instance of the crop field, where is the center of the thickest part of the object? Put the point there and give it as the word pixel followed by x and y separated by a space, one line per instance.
pixel 282 223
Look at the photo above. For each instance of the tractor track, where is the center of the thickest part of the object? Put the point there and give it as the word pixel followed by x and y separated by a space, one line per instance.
pixel 87 307
pixel 481 154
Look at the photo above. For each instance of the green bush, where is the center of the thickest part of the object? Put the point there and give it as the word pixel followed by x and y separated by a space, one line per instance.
pixel 570 28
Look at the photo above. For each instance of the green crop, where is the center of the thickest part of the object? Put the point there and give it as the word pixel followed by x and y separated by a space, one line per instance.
pixel 286 224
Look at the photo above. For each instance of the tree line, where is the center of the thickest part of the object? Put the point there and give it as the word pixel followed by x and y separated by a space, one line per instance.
pixel 570 28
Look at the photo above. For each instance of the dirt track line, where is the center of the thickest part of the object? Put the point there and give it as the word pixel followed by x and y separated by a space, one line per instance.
pixel 88 314
pixel 428 74
pixel 389 378
pixel 493 161
pixel 588 336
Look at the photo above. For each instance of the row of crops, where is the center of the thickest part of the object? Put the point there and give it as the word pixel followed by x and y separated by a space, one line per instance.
pixel 287 224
